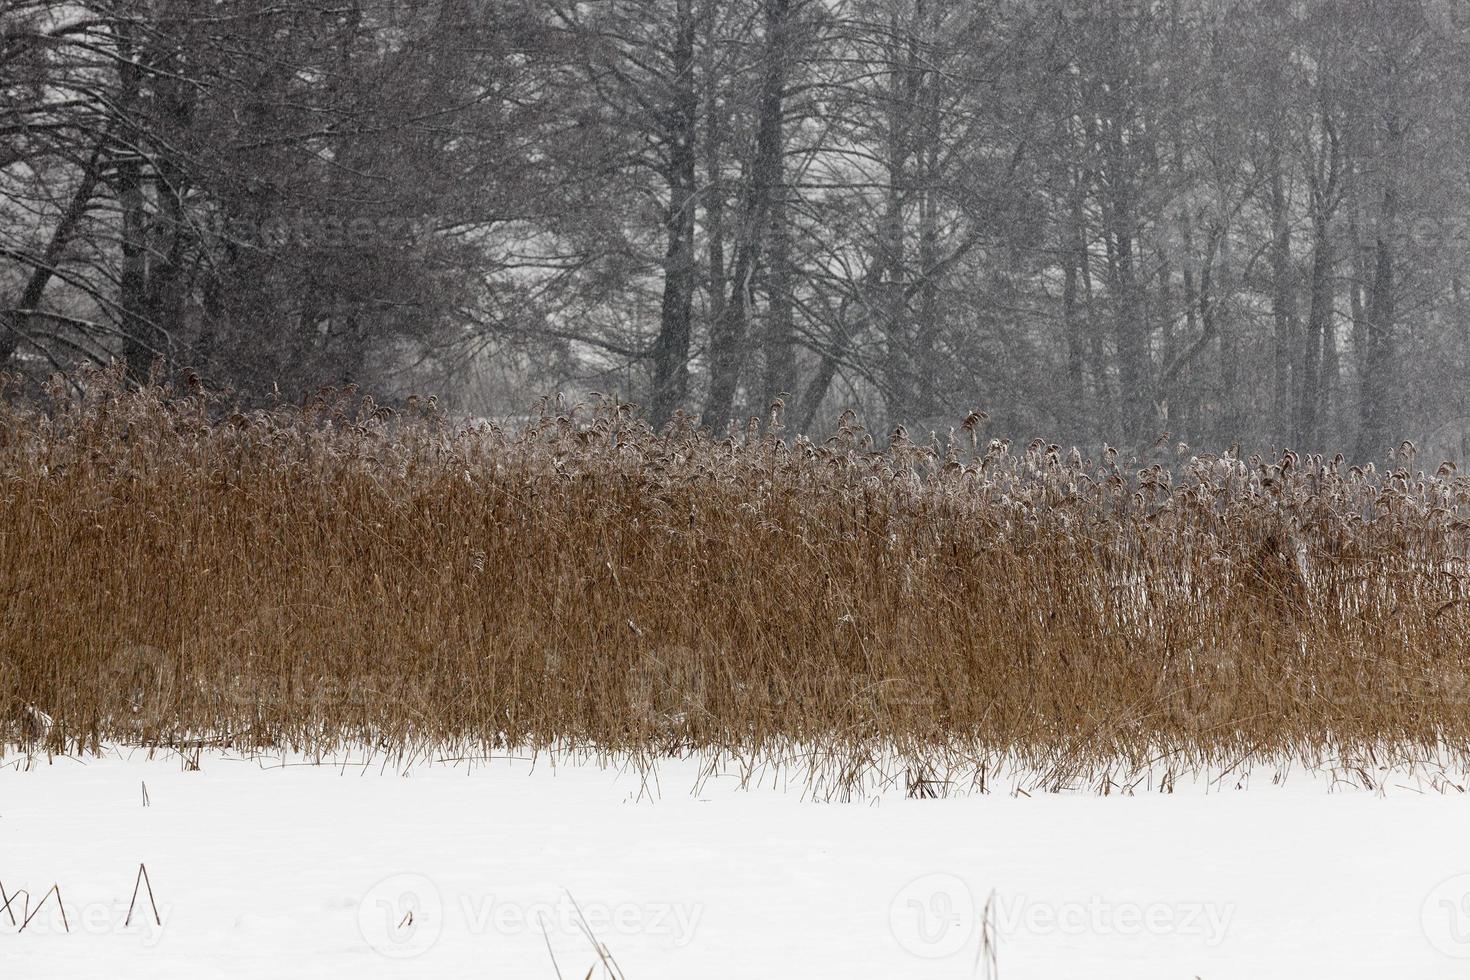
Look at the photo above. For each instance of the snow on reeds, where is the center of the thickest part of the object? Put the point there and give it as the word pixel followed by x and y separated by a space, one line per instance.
pixel 177 572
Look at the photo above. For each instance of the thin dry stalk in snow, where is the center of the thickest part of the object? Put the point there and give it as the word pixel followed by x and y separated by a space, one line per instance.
pixel 142 879
pixel 32 913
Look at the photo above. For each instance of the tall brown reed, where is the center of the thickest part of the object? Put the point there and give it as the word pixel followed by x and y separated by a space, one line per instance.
pixel 172 571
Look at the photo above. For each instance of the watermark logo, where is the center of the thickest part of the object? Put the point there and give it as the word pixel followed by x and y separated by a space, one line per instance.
pixel 934 916
pixel 667 687
pixel 673 924
pixel 405 915
pixel 47 913
pixel 1445 917
pixel 401 916
pixel 146 676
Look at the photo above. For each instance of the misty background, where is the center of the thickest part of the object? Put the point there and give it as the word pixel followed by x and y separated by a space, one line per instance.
pixel 1234 222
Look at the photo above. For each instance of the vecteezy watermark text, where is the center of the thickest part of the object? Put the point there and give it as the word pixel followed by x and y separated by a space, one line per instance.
pixel 937 915
pixel 404 915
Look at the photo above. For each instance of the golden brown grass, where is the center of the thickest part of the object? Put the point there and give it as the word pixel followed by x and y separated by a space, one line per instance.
pixel 172 572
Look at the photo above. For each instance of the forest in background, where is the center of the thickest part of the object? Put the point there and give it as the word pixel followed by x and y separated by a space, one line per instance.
pixel 1232 222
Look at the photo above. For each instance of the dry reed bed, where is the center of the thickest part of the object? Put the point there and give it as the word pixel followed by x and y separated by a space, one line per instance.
pixel 172 571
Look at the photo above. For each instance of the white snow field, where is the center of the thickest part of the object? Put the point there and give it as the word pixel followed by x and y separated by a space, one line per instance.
pixel 267 869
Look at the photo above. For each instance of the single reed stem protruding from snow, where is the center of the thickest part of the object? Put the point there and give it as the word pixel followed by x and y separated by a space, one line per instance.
pixel 56 890
pixel 5 901
pixel 987 952
pixel 142 879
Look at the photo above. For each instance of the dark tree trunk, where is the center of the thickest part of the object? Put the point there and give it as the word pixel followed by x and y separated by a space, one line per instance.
pixel 15 323
pixel 671 348
pixel 140 346
pixel 1076 389
pixel 780 346
pixel 1131 330
pixel 714 193
pixel 1283 309
pixel 927 162
pixel 728 336
pixel 1378 423
pixel 780 332
pixel 1319 324
pixel 1318 341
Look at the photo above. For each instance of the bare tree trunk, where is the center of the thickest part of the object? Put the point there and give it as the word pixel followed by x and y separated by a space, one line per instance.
pixel 714 193
pixel 1319 325
pixel 1130 327
pixel 821 380
pixel 1283 308
pixel 1131 332
pixel 728 336
pixel 843 330
pixel 165 293
pixel 671 347
pixel 891 303
pixel 14 323
pixel 780 333
pixel 927 151
pixel 139 342
pixel 1076 386
pixel 1323 198
pixel 1379 378
pixel 1216 315
pixel 780 346
pixel 1104 401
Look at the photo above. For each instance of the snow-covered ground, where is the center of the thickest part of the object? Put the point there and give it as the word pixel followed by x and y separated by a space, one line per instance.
pixel 264 869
